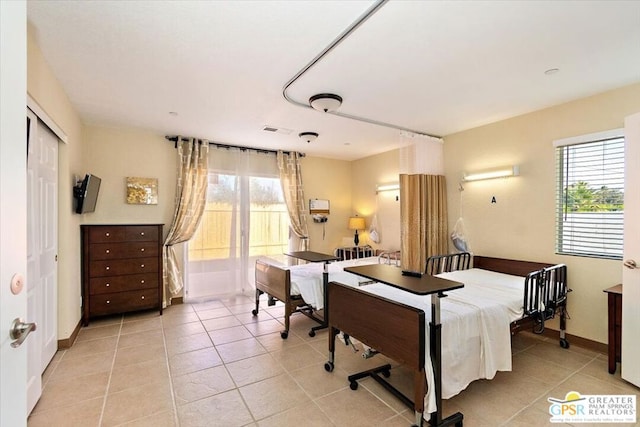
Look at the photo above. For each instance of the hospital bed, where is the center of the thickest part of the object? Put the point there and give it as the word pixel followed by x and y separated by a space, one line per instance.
pixel 499 297
pixel 300 287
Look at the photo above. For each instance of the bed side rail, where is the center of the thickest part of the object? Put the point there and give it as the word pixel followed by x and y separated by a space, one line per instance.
pixel 389 257
pixel 437 264
pixel 392 328
pixel 273 280
pixel 508 266
pixel 545 294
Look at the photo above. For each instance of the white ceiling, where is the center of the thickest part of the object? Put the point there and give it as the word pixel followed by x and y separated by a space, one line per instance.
pixel 436 67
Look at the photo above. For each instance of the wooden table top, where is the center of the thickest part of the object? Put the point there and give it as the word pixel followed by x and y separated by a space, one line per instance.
pixel 312 256
pixel 392 276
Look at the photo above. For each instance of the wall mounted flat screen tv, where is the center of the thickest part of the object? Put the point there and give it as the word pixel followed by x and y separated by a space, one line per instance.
pixel 86 194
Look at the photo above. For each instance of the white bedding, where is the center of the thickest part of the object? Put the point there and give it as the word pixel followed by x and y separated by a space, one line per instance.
pixel 476 340
pixel 306 279
pixel 476 319
pixel 475 322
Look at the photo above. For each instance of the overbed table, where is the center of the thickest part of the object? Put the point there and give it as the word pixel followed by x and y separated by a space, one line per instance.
pixel 311 256
pixel 424 285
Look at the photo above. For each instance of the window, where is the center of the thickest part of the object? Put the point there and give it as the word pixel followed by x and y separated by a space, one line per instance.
pixel 590 195
pixel 245 218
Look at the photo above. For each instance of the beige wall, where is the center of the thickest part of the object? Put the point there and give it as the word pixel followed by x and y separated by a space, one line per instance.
pixel 45 89
pixel 115 154
pixel 521 225
pixel 366 174
pixel 330 180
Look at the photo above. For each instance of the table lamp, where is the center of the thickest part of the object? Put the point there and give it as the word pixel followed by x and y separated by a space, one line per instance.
pixel 356 223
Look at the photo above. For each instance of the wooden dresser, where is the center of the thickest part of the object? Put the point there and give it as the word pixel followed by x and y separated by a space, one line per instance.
pixel 614 294
pixel 121 269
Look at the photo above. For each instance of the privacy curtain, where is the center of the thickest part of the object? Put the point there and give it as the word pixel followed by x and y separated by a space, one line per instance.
pixel 423 213
pixel 191 196
pixel 291 181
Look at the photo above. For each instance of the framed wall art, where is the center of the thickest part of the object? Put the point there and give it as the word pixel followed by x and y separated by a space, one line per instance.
pixel 142 191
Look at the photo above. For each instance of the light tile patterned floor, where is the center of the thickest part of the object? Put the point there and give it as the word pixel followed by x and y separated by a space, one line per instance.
pixel 214 364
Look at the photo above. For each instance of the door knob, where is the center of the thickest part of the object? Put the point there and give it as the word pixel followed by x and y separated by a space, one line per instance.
pixel 630 264
pixel 19 331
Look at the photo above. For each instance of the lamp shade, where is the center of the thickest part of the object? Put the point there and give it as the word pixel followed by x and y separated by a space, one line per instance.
pixel 325 102
pixel 308 136
pixel 356 223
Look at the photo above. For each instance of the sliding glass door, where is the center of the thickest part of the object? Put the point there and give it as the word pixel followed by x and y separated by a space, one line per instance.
pixel 245 218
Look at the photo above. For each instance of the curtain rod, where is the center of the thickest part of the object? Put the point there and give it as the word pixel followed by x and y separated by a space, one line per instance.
pixel 174 139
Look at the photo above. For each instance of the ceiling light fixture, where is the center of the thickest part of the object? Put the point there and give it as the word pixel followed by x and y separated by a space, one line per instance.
pixel 375 6
pixel 327 102
pixel 308 136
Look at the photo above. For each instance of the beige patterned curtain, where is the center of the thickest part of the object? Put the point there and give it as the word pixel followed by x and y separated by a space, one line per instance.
pixel 423 218
pixel 191 196
pixel 291 181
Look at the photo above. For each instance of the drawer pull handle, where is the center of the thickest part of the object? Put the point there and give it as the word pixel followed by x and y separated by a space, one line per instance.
pixel 142 296
pixel 108 302
pixel 107 285
pixel 141 281
pixel 108 251
pixel 142 233
pixel 142 250
pixel 141 265
pixel 108 268
pixel 107 234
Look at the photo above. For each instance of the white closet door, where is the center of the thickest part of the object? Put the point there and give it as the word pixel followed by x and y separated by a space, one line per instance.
pixel 42 248
pixel 631 276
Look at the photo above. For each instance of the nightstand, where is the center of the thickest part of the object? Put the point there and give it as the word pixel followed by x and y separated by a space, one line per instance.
pixel 615 325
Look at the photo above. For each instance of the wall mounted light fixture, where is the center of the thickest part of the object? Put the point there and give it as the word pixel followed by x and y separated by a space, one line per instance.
pixel 503 172
pixel 387 187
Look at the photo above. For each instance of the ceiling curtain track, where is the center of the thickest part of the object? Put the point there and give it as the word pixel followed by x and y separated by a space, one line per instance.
pixel 343 36
pixel 174 139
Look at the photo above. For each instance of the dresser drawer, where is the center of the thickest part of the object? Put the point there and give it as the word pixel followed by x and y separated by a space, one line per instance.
pixel 105 251
pixel 141 233
pixel 119 267
pixel 123 301
pixel 105 285
pixel 106 233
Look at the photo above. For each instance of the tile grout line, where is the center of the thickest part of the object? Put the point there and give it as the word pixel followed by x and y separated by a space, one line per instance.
pixel 253 417
pixel 170 377
pixel 113 362
pixel 558 384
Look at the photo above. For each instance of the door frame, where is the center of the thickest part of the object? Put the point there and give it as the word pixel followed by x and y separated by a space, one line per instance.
pixel 13 206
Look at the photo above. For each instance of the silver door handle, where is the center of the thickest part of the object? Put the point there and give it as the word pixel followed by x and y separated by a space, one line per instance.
pixel 630 264
pixel 19 331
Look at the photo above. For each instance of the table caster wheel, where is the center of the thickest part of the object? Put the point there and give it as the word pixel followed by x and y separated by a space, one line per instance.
pixel 312 334
pixel 328 367
pixel 564 343
pixel 254 312
pixel 284 335
pixel 353 385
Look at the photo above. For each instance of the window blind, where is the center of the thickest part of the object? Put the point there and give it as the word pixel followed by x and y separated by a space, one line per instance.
pixel 590 198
